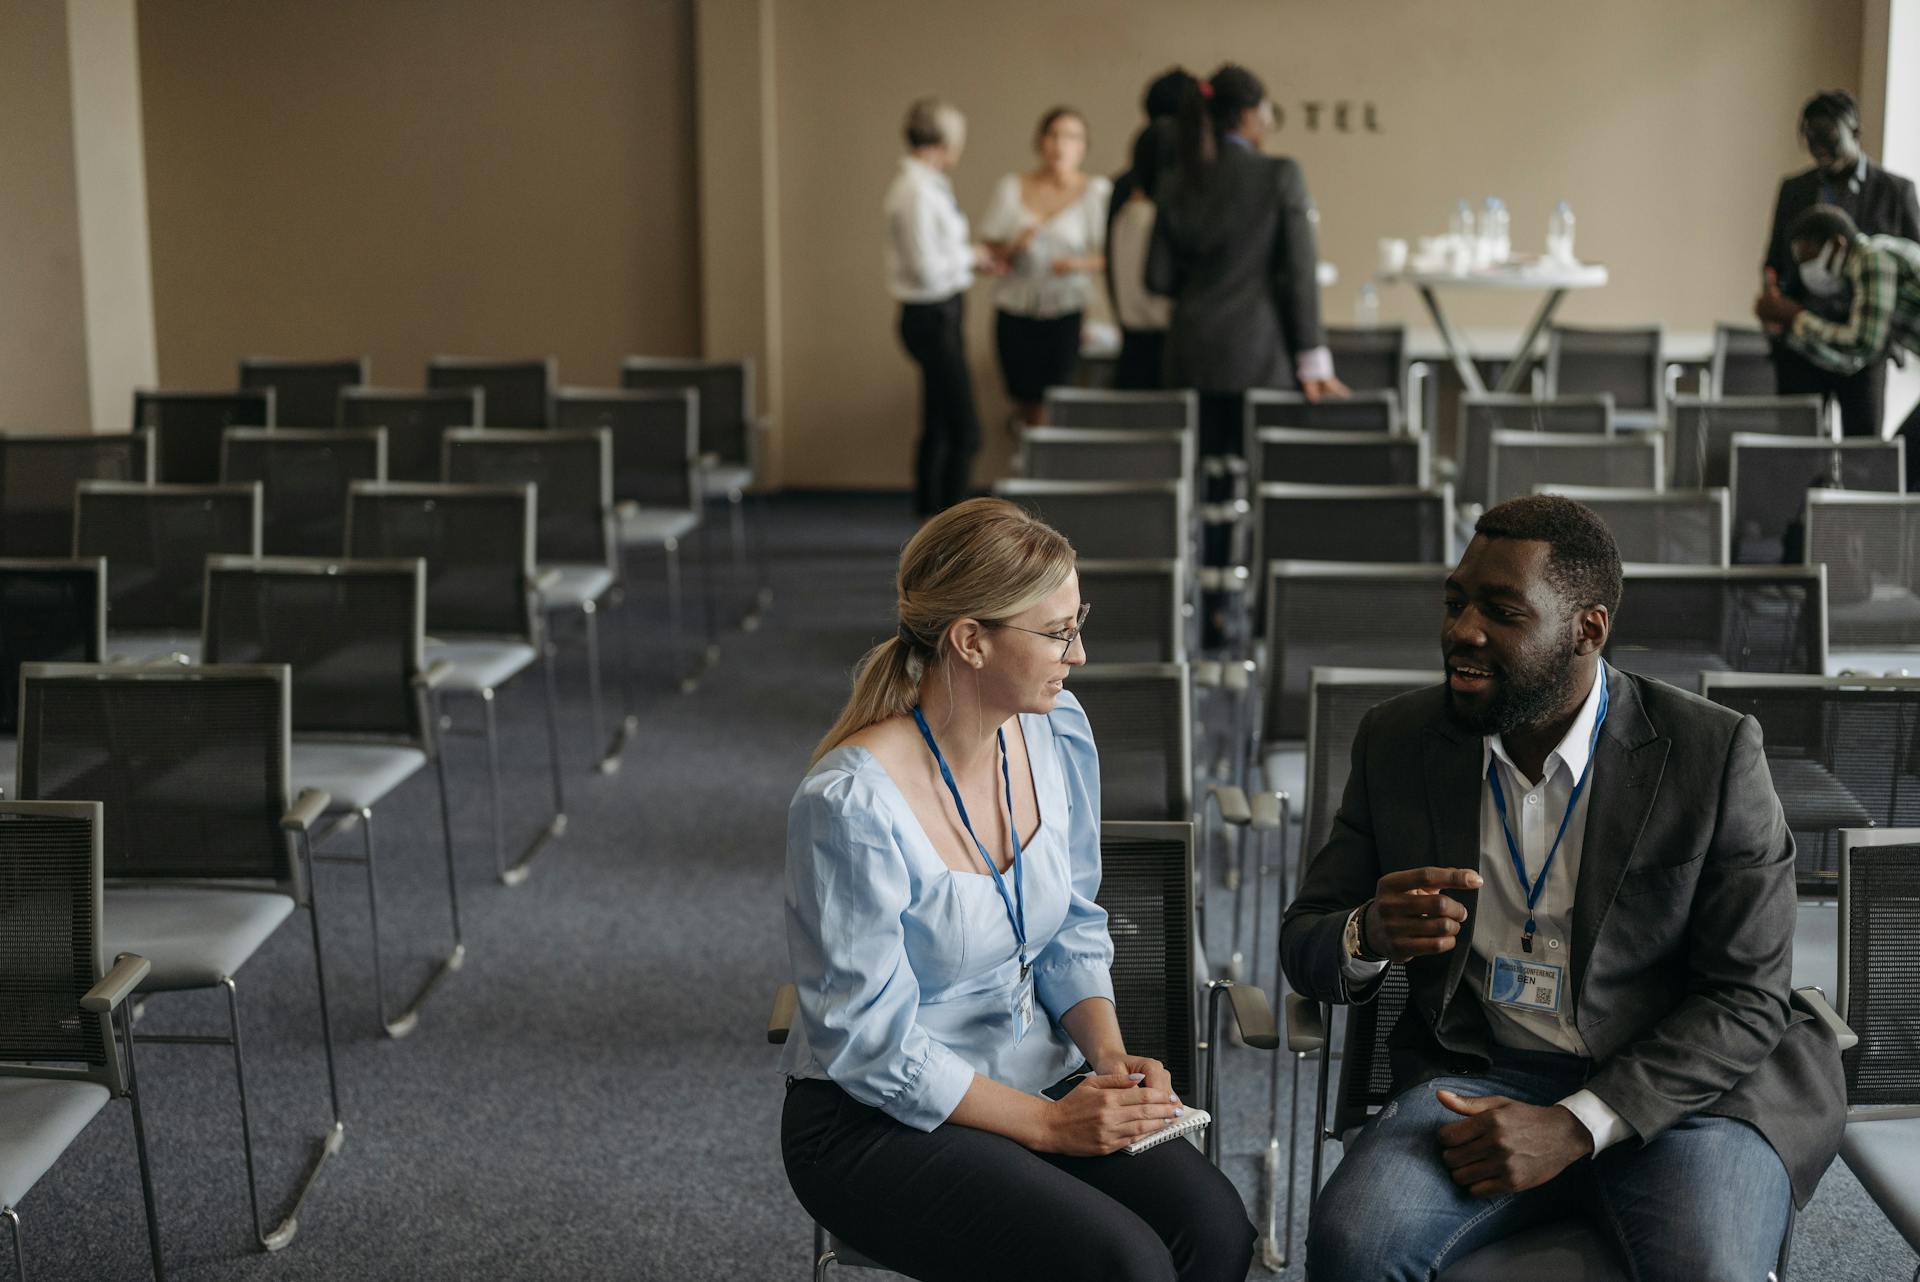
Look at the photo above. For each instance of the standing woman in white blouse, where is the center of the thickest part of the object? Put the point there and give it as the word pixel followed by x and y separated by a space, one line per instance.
pixel 1049 228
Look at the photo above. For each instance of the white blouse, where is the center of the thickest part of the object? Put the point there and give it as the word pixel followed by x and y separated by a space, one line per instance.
pixel 1079 230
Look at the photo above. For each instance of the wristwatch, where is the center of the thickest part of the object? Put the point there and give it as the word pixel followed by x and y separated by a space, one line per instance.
pixel 1354 938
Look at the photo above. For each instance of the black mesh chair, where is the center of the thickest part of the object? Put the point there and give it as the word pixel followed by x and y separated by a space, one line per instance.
pixel 518 393
pixel 1177 411
pixel 1142 719
pixel 37 476
pixel 732 448
pixel 1524 462
pixel 1293 456
pixel 365 703
pixel 1742 363
pixel 1143 608
pixel 1357 523
pixel 1374 359
pixel 1678 621
pixel 1700 437
pixel 574 546
pixel 1844 752
pixel 156 539
pixel 1110 520
pixel 204 854
pixel 305 393
pixel 1870 544
pixel 478 543
pixel 1627 364
pixel 1879 998
pixel 1483 415
pixel 187 427
pixel 1771 476
pixel 1362 412
pixel 1105 454
pixel 66 1036
pixel 415 423
pixel 51 611
pixel 1659 527
pixel 659 502
pixel 303 476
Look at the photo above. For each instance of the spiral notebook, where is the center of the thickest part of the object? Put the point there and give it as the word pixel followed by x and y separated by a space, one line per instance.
pixel 1192 1121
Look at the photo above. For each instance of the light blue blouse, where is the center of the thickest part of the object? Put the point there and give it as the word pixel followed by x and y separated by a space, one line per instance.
pixel 907 970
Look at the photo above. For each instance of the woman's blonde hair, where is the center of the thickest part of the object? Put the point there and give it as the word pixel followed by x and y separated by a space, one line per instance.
pixel 984 559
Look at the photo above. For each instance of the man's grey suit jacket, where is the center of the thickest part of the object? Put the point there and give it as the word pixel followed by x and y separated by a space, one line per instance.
pixel 1683 916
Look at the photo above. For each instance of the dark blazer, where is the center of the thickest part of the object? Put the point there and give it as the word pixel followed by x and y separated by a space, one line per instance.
pixel 1237 257
pixel 1884 206
pixel 1683 916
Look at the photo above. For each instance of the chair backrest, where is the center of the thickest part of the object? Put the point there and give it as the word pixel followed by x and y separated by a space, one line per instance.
pixel 189 763
pixel 574 472
pixel 1373 359
pixel 37 476
pixel 415 423
pixel 1481 416
pixel 303 475
pixel 1700 435
pixel 1142 717
pixel 1140 606
pixel 1292 456
pixel 1337 698
pixel 478 543
pixel 1870 544
pixel 1146 886
pixel 1677 621
pixel 1742 362
pixel 305 393
pixel 1520 462
pixel 1362 412
pixel 53 946
pixel 1352 523
pixel 1366 1057
pixel 1624 363
pixel 1177 411
pixel 351 632
pixel 187 427
pixel 519 393
pixel 1105 454
pixel 725 401
pixel 1109 520
pixel 1331 614
pixel 1844 752
pixel 51 611
pixel 157 539
pixel 1770 477
pixel 656 440
pixel 1879 978
pixel 1659 527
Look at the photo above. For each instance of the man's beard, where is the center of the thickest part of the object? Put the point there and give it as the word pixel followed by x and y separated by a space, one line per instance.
pixel 1527 694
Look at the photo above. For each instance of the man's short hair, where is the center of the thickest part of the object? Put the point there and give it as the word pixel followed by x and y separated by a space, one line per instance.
pixel 930 122
pixel 1583 561
pixel 1821 224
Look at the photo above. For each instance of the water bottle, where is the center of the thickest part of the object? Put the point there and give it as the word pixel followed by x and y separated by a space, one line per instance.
pixel 1496 242
pixel 1460 226
pixel 1366 307
pixel 1560 234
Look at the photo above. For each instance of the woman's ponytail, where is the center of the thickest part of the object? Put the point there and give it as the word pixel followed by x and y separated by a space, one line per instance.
pixel 885 684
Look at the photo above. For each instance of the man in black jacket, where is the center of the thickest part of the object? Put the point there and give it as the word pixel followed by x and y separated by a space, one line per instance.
pixel 1879 203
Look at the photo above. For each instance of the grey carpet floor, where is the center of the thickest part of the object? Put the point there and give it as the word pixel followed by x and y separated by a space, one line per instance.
pixel 591 1096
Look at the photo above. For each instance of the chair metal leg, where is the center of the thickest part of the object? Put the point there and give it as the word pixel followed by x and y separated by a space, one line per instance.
pixel 506 875
pixel 1320 1111
pixel 398 1026
pixel 12 1217
pixel 282 1234
pixel 710 653
pixel 1237 960
pixel 610 759
pixel 123 1021
pixel 558 824
pixel 689 680
pixel 596 720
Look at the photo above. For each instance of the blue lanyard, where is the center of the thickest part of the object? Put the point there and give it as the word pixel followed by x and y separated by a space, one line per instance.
pixel 1534 887
pixel 1016 903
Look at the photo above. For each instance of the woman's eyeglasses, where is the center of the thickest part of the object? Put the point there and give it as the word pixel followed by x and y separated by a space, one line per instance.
pixel 1066 638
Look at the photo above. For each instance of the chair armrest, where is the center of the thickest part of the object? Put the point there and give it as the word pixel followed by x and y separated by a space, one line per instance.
pixel 1306 1032
pixel 786 1000
pixel 1269 811
pixel 116 985
pixel 1252 1014
pixel 435 675
pixel 543 581
pixel 709 460
pixel 171 659
pixel 1225 511
pixel 306 810
pixel 1815 1003
pixel 1225 578
pixel 1233 805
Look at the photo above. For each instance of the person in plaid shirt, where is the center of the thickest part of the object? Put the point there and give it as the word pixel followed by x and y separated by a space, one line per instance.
pixel 1883 273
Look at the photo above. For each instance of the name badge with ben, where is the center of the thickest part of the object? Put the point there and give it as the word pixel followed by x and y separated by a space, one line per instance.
pixel 1525 984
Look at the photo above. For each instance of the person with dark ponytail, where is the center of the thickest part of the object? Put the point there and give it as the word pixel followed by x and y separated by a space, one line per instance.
pixel 1880 204
pixel 1130 216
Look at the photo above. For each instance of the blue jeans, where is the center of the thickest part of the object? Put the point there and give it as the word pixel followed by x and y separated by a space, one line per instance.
pixel 1707 1198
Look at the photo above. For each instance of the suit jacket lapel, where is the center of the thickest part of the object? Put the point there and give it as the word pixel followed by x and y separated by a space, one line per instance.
pixel 1454 761
pixel 1626 767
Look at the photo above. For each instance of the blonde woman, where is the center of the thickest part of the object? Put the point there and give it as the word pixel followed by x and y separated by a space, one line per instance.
pixel 958 1088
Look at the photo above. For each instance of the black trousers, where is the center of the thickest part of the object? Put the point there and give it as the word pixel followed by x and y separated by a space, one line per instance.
pixel 1862 396
pixel 1143 355
pixel 934 335
pixel 963 1204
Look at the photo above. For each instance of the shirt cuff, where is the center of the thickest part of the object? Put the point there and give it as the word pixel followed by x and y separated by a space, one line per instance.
pixel 1357 973
pixel 1605 1126
pixel 1063 985
pixel 933 1090
pixel 1315 364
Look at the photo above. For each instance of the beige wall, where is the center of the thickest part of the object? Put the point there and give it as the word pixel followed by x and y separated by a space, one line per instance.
pixel 1666 125
pixel 404 177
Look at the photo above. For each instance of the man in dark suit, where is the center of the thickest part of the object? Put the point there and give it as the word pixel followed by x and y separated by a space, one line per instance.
pixel 1589 882
pixel 1879 203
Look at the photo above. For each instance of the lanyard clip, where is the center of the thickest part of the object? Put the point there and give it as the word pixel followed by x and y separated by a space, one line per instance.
pixel 1526 939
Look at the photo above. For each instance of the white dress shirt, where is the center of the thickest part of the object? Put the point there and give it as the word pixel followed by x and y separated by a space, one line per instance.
pixel 1031 287
pixel 929 252
pixel 1500 916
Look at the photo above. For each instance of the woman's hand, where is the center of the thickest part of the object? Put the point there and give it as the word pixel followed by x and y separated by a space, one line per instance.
pixel 1105 1113
pixel 1150 1073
